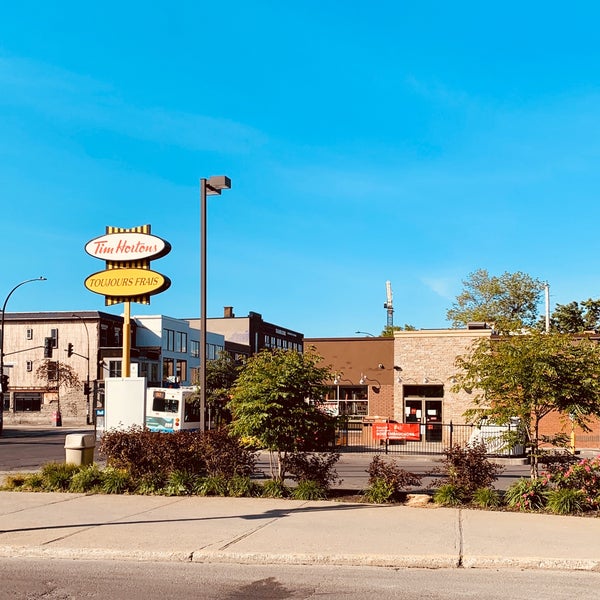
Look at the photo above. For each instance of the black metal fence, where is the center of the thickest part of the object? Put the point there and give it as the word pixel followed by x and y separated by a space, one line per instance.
pixel 423 438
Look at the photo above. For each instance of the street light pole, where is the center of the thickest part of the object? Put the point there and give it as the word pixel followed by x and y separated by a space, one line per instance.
pixel 2 345
pixel 208 187
pixel 366 333
pixel 90 418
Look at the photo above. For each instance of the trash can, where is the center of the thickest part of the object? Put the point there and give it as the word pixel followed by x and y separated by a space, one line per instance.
pixel 79 448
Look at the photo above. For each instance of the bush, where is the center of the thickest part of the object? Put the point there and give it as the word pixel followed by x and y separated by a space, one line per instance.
pixel 309 490
pixel 380 491
pixel 141 451
pixel 526 494
pixel 584 476
pixel 468 468
pixel 57 476
pixel 150 484
pixel 387 478
pixel 486 497
pixel 179 483
pixel 566 501
pixel 224 454
pixel 115 481
pixel 241 486
pixel 88 479
pixel 274 489
pixel 318 468
pixel 212 485
pixel 450 494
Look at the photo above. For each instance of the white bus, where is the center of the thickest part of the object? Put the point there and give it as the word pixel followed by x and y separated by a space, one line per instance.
pixel 173 409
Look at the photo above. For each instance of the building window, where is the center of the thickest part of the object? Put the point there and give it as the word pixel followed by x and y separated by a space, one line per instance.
pixel 181 370
pixel 29 366
pixel 168 368
pixel 180 342
pixel 118 336
pixel 54 336
pixel 114 368
pixel 195 348
pixel 30 334
pixel 169 339
pixel 28 401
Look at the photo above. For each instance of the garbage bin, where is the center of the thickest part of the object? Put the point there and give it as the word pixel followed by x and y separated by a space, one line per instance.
pixel 79 448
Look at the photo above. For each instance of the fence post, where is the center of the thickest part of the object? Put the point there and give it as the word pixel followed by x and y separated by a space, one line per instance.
pixel 451 433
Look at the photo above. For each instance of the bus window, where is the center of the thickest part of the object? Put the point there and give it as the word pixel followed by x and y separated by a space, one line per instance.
pixel 162 404
pixel 192 411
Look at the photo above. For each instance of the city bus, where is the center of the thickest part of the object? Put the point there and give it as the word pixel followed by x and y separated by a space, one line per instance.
pixel 173 409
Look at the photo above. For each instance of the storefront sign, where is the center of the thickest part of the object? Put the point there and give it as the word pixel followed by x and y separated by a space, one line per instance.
pixel 397 431
pixel 127 282
pixel 127 246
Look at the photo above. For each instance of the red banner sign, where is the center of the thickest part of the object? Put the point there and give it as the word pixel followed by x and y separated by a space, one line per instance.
pixel 397 431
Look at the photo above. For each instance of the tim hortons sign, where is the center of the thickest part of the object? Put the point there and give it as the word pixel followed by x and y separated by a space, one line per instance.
pixel 127 246
pixel 127 277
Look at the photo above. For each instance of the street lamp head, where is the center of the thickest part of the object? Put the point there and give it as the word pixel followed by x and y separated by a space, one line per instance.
pixel 216 183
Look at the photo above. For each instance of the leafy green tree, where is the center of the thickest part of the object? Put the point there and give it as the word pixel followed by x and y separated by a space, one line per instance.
pixel 576 317
pixel 389 331
pixel 221 374
pixel 275 401
pixel 509 302
pixel 529 376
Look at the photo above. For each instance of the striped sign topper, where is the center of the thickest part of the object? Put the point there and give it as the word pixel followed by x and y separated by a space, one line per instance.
pixel 127 276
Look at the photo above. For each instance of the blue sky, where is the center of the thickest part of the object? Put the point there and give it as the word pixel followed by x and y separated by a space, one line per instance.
pixel 410 141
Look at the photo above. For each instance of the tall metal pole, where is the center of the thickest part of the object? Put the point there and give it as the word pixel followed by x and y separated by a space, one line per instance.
pixel 90 417
pixel 2 345
pixel 202 301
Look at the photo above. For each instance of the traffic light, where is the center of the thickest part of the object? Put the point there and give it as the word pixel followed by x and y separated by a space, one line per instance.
pixel 48 347
pixel 69 349
pixel 4 383
pixel 86 389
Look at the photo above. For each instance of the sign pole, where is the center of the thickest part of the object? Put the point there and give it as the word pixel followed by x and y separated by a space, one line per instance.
pixel 126 371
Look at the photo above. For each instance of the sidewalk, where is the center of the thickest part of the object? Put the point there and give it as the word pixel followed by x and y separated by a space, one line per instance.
pixel 263 531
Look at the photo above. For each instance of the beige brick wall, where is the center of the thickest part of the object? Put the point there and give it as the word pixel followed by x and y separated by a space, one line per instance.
pixel 430 355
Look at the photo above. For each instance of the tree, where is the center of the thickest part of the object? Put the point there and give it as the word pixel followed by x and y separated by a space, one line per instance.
pixel 221 374
pixel 389 331
pixel 576 317
pixel 56 375
pixel 529 376
pixel 276 399
pixel 509 302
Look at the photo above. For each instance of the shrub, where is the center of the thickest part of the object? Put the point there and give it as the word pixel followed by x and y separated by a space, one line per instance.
pixel 526 494
pixel 380 491
pixel 179 483
pixel 486 497
pixel 57 476
pixel 309 466
pixel 224 454
pixel 211 485
pixel 34 482
pixel 115 481
pixel 584 476
pixel 388 475
pixel 468 468
pixel 566 501
pixel 88 479
pixel 150 484
pixel 309 490
pixel 240 486
pixel 450 494
pixel 141 451
pixel 274 489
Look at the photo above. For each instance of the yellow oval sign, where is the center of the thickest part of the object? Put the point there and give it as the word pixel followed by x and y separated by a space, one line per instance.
pixel 127 282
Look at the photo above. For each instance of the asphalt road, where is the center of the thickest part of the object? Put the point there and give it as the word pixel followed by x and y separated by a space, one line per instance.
pixel 146 580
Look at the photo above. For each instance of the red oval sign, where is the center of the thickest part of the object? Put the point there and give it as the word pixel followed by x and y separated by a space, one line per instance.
pixel 126 246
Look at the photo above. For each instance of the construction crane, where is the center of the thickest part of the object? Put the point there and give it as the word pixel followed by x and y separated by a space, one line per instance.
pixel 389 305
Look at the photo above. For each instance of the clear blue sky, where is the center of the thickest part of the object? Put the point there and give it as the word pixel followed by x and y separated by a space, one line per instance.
pixel 410 141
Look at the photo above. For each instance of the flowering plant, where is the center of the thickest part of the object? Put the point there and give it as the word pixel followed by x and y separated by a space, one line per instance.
pixel 583 475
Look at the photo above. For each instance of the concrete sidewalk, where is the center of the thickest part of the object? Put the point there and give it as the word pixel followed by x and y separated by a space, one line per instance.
pixel 245 530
